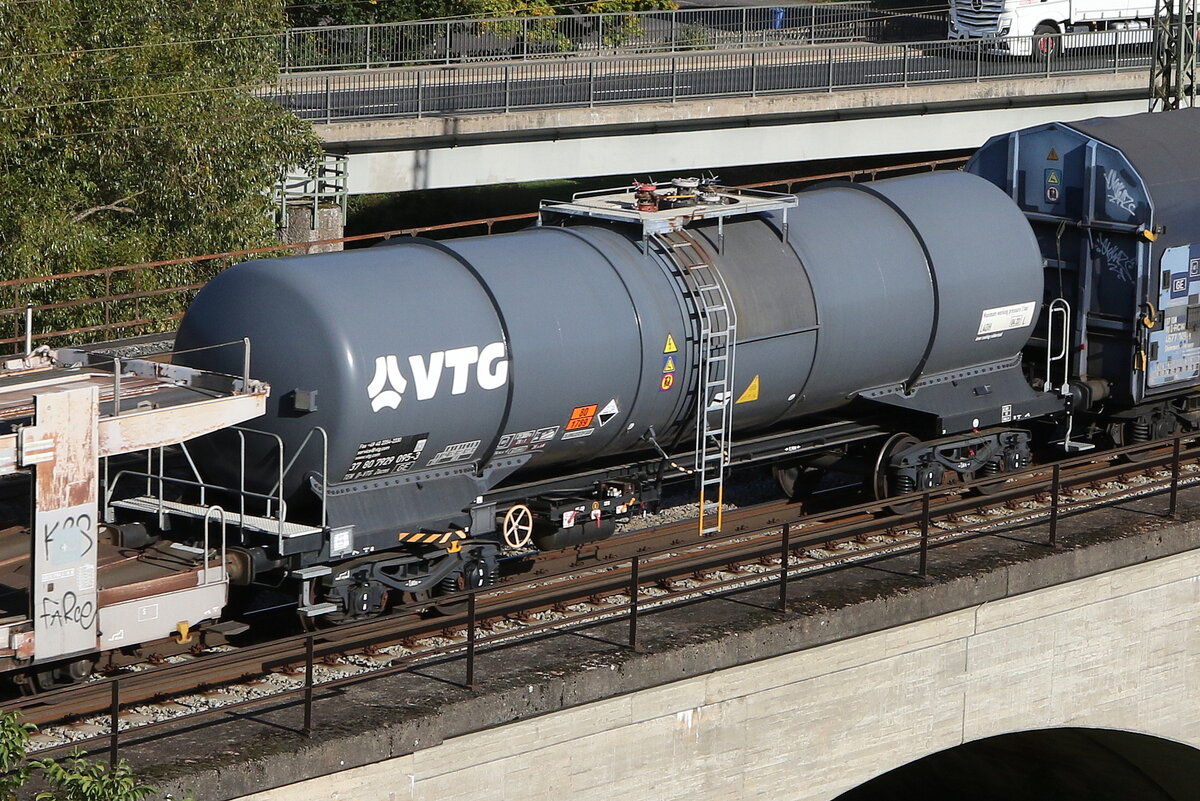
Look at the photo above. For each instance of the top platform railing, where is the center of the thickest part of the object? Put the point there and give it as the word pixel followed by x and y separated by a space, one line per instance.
pixel 520 38
pixel 620 204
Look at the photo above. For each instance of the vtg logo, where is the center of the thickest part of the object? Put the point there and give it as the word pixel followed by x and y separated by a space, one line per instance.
pixel 389 384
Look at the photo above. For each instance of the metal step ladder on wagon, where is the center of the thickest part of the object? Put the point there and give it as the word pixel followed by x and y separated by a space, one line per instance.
pixel 663 214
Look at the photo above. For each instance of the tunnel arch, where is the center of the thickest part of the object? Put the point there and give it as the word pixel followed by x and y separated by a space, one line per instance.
pixel 1064 764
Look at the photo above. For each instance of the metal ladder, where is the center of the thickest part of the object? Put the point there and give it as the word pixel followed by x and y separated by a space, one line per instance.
pixel 714 390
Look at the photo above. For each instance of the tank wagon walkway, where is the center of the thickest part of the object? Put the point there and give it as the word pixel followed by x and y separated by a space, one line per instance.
pixel 868 669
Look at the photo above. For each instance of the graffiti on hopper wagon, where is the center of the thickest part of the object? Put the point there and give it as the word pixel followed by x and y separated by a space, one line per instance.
pixel 1120 263
pixel 1118 192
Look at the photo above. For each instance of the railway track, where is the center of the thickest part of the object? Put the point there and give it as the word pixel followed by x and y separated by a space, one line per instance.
pixel 622 578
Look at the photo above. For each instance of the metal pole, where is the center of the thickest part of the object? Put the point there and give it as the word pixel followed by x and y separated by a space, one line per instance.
pixel 924 535
pixel 1054 487
pixel 1174 476
pixel 419 74
pixel 507 88
pixel 591 84
pixel 245 364
pixel 674 78
pixel 447 42
pixel 308 685
pixel 829 56
pixel 328 102
pixel 114 730
pixel 633 602
pixel 29 325
pixel 471 640
pixel 116 404
pixel 906 53
pixel 367 55
pixel 754 74
pixel 783 565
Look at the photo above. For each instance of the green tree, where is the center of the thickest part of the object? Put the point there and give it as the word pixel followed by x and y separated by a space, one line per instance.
pixel 129 132
pixel 338 12
pixel 357 12
pixel 71 779
pixel 545 26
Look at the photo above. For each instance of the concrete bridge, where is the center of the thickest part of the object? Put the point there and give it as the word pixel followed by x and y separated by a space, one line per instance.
pixel 1084 658
pixel 448 149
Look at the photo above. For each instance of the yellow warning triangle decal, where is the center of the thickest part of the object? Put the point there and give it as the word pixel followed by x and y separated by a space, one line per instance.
pixel 751 393
pixel 669 367
pixel 670 346
pixel 1052 155
pixel 1052 178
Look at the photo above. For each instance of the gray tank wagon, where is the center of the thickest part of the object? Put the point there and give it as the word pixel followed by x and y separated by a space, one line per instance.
pixel 538 383
pixel 434 406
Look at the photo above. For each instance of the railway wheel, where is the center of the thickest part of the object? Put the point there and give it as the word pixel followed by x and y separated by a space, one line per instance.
pixel 796 480
pixel 882 485
pixel 64 674
pixel 517 526
pixel 1048 41
pixel 991 487
pixel 1151 426
pixel 478 571
pixel 886 482
pixel 993 476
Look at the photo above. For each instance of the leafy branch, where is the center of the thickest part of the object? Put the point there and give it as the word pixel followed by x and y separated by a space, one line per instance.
pixel 116 205
pixel 73 778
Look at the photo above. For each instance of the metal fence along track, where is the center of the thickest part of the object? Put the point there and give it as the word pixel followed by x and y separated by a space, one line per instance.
pixel 612 80
pixel 617 588
pixel 450 41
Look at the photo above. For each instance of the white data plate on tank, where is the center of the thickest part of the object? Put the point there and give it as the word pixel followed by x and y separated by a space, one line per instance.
pixel 1006 318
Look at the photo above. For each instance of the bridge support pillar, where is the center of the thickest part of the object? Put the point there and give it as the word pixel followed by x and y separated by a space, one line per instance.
pixel 301 227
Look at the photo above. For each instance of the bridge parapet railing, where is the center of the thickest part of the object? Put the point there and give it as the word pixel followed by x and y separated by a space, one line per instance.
pixel 534 37
pixel 635 78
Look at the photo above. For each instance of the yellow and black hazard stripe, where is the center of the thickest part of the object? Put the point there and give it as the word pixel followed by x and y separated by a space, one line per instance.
pixel 431 537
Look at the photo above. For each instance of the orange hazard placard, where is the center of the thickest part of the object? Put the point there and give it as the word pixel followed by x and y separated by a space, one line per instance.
pixel 581 417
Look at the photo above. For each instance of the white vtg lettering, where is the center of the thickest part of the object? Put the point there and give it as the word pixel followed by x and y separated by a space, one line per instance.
pixel 488 364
